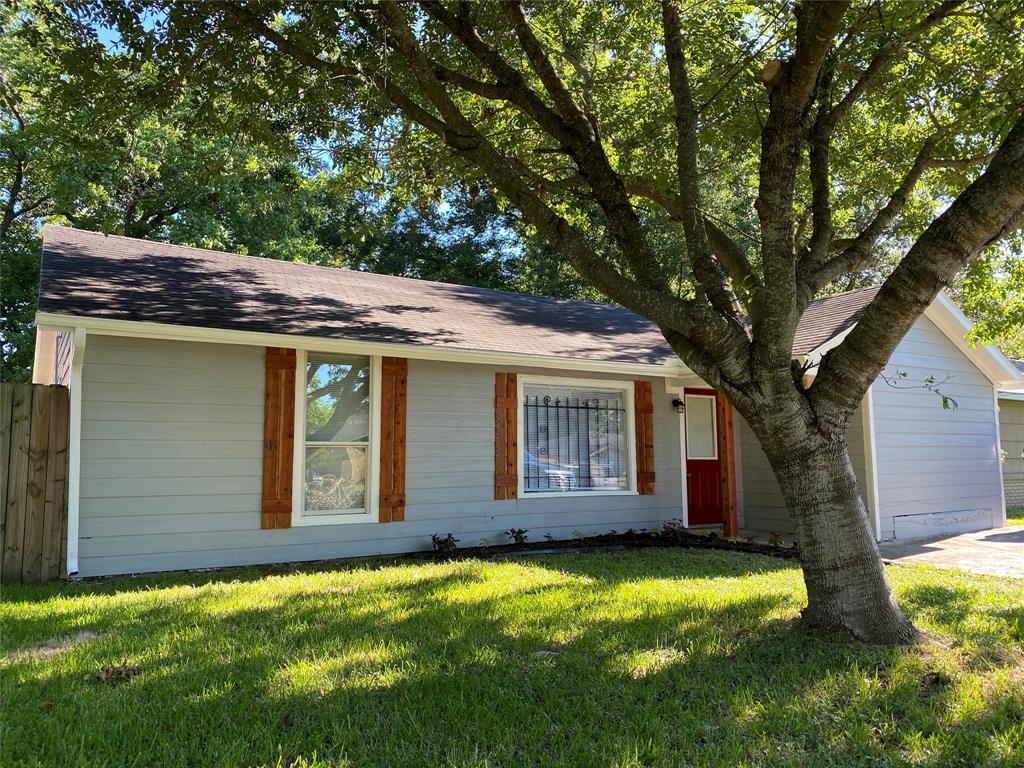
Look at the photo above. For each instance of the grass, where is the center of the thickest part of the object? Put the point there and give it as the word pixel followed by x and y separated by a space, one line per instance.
pixel 1015 516
pixel 638 658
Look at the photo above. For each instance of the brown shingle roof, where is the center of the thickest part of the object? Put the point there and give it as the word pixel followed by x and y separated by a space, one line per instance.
pixel 92 275
pixel 830 316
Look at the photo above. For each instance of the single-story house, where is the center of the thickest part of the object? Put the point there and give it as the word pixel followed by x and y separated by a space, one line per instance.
pixel 1011 436
pixel 230 410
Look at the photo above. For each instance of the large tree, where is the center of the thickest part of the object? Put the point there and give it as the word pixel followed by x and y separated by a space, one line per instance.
pixel 713 166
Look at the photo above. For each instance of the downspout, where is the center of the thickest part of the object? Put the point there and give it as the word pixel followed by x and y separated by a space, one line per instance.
pixel 1001 515
pixel 75 449
pixel 871 461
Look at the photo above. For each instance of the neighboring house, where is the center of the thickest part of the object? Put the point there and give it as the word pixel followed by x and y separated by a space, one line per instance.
pixel 1011 432
pixel 228 410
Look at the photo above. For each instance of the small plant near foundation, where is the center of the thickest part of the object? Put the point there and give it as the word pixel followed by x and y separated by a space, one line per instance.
pixel 775 539
pixel 444 543
pixel 517 535
pixel 673 528
pixel 578 535
pixel 485 543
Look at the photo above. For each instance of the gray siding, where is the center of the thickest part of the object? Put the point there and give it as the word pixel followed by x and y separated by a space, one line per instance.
pixel 938 470
pixel 763 506
pixel 1011 432
pixel 171 462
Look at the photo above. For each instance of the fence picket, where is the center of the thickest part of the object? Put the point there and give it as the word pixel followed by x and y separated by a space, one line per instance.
pixel 33 481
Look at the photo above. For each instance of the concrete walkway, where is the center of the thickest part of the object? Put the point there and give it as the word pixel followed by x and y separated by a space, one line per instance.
pixel 998 552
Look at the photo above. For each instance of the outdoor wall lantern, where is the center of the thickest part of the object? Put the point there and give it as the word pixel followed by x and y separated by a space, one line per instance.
pixel 679 405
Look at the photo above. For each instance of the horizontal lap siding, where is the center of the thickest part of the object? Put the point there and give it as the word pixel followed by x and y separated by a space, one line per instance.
pixel 763 505
pixel 932 460
pixel 1011 428
pixel 172 456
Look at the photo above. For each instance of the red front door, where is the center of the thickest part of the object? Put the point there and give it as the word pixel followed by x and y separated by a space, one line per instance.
pixel 703 465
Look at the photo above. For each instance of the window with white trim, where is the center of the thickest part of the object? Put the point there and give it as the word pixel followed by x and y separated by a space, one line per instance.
pixel 335 455
pixel 575 438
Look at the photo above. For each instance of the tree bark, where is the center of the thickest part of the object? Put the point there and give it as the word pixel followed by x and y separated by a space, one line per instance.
pixel 847 590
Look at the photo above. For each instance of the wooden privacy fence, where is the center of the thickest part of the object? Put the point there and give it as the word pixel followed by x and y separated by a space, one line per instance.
pixel 33 482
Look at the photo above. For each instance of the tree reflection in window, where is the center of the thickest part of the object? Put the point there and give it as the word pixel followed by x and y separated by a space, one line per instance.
pixel 337 433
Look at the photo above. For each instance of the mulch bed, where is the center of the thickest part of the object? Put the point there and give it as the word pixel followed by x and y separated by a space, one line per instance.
pixel 613 540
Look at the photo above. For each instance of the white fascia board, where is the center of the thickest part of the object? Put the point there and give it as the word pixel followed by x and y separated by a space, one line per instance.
pixel 144 330
pixel 989 360
pixel 813 358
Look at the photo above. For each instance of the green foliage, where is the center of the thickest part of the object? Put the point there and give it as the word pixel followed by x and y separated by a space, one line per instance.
pixel 102 137
pixel 19 281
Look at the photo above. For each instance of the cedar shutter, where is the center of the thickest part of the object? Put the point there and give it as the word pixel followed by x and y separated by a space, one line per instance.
pixel 643 406
pixel 506 463
pixel 278 438
pixel 727 459
pixel 393 392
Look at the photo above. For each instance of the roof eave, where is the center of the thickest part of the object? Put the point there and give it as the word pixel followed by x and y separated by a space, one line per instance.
pixel 132 328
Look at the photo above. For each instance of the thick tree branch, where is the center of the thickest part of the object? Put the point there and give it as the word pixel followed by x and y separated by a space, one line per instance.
pixel 817 273
pixel 710 276
pixel 545 71
pixel 885 55
pixel 790 88
pixel 989 208
pixel 569 126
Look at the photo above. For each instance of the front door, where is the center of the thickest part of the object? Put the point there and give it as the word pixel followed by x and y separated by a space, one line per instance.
pixel 703 468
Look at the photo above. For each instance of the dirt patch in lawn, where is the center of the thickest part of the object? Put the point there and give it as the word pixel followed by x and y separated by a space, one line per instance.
pixel 55 646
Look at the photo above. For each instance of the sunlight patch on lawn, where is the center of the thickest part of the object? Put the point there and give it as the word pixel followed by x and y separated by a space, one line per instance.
pixel 368 668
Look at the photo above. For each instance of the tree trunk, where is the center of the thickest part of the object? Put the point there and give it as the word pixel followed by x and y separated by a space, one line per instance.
pixel 847 591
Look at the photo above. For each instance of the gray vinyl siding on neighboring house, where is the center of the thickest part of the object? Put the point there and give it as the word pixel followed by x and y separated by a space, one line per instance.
pixel 172 449
pixel 1011 431
pixel 938 470
pixel 763 508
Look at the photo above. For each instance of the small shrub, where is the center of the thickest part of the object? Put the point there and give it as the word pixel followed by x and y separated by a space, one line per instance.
pixel 444 543
pixel 485 543
pixel 516 535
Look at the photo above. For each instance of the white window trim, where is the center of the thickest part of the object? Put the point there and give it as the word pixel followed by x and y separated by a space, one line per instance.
pixel 627 387
pixel 371 512
pixel 714 426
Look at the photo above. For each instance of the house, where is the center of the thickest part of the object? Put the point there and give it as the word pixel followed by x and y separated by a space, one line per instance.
pixel 228 410
pixel 1011 436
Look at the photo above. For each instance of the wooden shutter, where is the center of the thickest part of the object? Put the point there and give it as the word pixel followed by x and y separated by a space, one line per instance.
pixel 506 405
pixel 643 406
pixel 727 464
pixel 278 438
pixel 393 394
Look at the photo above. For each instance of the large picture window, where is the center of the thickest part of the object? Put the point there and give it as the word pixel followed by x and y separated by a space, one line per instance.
pixel 576 438
pixel 336 428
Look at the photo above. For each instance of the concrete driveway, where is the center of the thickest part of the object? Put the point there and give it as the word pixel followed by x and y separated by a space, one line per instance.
pixel 998 552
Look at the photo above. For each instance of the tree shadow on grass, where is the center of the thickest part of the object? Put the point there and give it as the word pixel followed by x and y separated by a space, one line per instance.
pixel 530 662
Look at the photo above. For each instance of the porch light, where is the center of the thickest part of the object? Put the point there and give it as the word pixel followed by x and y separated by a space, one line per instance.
pixel 679 405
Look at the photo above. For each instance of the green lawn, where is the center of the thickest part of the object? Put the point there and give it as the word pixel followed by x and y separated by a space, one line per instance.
pixel 653 658
pixel 1015 516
